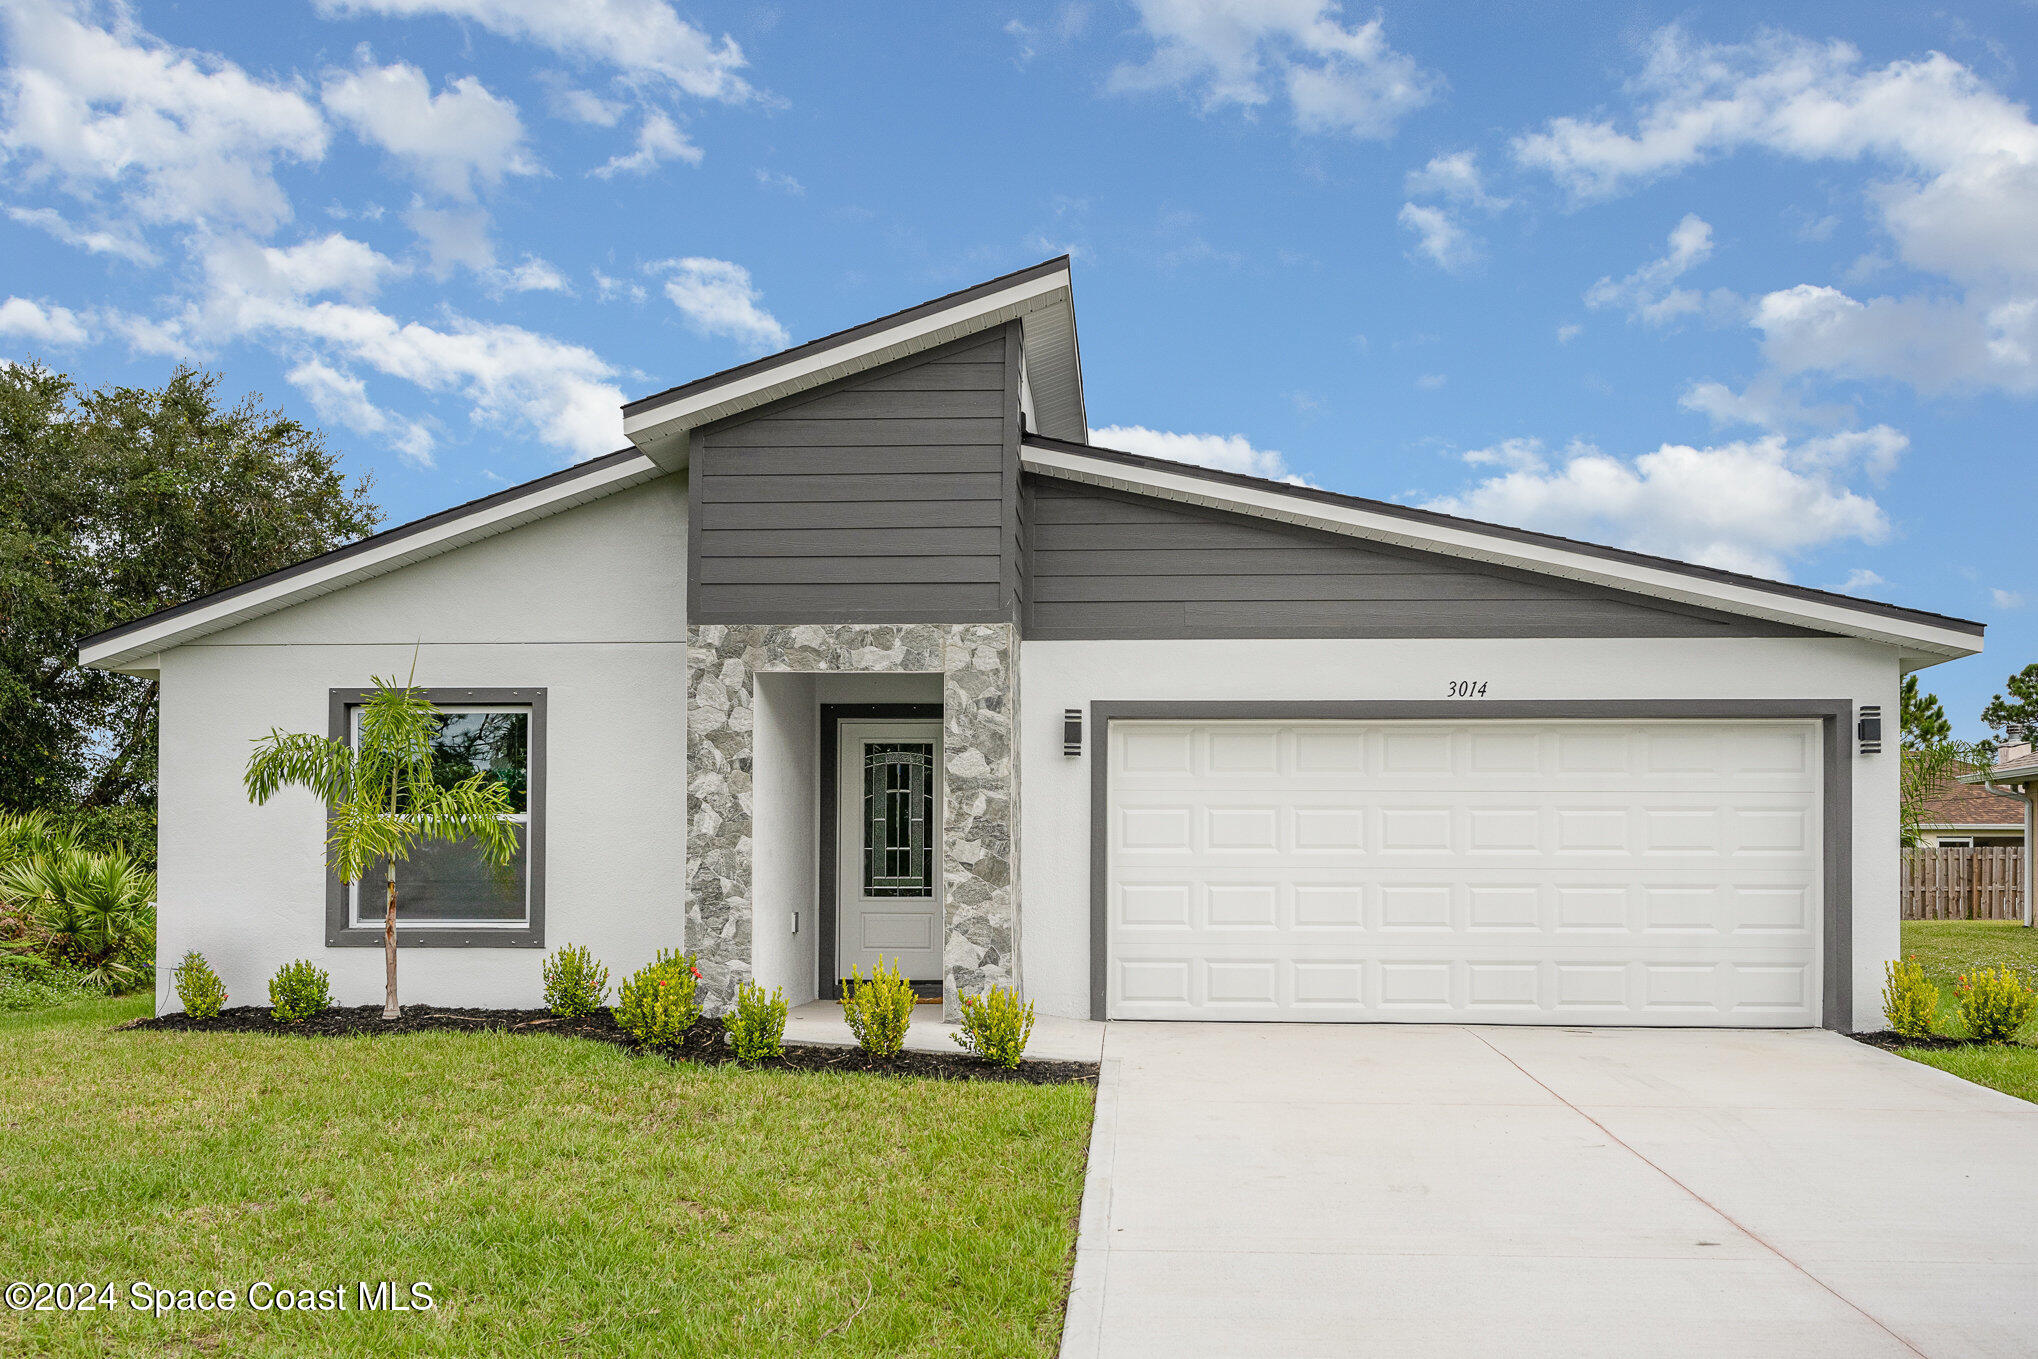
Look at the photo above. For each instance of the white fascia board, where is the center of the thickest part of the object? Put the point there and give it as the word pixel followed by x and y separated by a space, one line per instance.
pixel 238 606
pixel 656 430
pixel 1470 543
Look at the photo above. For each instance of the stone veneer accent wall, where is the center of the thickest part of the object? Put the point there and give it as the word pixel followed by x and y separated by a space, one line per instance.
pixel 978 663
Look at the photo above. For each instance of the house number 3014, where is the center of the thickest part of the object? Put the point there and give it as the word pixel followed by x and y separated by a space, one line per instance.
pixel 1468 689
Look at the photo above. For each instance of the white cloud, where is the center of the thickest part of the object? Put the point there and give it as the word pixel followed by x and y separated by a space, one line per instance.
pixel 1861 579
pixel 1439 237
pixel 718 298
pixel 342 399
pixel 1751 505
pixel 584 106
pixel 1650 293
pixel 454 238
pixel 1063 27
pixel 1569 332
pixel 645 40
pixel 1765 403
pixel 455 142
pixel 2006 599
pixel 1936 345
pixel 1431 382
pixel 1225 452
pixel 608 288
pixel 1246 53
pixel 120 241
pixel 1455 177
pixel 778 179
pixel 41 323
pixel 177 136
pixel 333 263
pixel 1957 199
pixel 533 275
pixel 658 139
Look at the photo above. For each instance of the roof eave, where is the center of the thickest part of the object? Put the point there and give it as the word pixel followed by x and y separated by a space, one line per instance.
pixel 1913 635
pixel 1040 298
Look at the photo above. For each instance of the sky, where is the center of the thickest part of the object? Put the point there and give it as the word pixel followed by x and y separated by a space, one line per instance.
pixel 1674 278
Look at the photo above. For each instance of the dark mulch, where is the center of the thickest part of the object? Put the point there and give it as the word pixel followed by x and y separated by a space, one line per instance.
pixel 1891 1041
pixel 702 1043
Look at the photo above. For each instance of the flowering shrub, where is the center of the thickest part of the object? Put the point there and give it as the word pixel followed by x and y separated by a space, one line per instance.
pixel 756 1023
pixel 661 1002
pixel 1908 1000
pixel 878 1010
pixel 575 984
pixel 1995 1003
pixel 298 991
pixel 995 1026
pixel 199 987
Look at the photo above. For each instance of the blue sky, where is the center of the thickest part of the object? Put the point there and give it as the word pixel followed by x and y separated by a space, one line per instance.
pixel 1674 278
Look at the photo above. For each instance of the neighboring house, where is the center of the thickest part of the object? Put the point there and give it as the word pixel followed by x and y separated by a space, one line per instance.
pixel 862 650
pixel 2014 779
pixel 1962 814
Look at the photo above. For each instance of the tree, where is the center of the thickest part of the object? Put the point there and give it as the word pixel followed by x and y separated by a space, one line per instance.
pixel 115 503
pixel 384 797
pixel 1924 719
pixel 2010 714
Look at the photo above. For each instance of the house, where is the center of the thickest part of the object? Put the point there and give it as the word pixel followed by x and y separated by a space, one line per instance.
pixel 2013 779
pixel 1960 813
pixel 862 649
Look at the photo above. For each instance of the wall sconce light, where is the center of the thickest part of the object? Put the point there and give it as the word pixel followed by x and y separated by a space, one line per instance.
pixel 1072 731
pixel 1869 729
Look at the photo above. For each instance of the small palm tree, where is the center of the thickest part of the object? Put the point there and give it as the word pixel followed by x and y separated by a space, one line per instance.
pixel 384 799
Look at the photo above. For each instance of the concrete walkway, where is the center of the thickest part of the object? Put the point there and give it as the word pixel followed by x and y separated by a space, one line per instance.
pixel 1054 1039
pixel 1296 1191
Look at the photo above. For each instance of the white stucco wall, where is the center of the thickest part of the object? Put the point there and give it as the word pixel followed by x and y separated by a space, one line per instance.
pixel 1055 815
pixel 590 605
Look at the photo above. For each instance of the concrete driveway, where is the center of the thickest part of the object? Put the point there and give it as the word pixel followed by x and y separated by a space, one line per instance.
pixel 1302 1190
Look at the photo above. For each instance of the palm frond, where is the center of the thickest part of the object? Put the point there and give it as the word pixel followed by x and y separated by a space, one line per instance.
pixel 319 764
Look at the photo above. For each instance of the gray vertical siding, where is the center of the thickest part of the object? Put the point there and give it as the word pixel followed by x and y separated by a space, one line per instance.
pixel 1104 564
pixel 892 496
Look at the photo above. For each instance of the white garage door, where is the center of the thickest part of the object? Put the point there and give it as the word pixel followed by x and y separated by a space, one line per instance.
pixel 1491 872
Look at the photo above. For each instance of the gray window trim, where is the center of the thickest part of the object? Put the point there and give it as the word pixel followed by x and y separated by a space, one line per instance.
pixel 341 933
pixel 1835 715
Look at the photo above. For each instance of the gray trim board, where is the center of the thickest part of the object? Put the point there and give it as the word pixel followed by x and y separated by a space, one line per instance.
pixel 341 933
pixel 1503 531
pixel 1836 801
pixel 832 717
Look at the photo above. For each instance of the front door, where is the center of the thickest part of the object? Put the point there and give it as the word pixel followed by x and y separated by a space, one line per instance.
pixel 888 847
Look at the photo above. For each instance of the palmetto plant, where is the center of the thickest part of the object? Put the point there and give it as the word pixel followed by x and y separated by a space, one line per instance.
pixel 384 798
pixel 93 912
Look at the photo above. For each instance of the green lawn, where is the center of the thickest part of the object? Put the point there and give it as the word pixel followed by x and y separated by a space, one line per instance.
pixel 1947 948
pixel 559 1196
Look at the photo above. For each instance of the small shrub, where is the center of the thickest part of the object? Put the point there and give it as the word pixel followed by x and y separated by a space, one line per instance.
pixel 575 984
pixel 995 1026
pixel 298 991
pixel 756 1023
pixel 199 987
pixel 661 1002
pixel 1908 1000
pixel 1995 1004
pixel 878 1010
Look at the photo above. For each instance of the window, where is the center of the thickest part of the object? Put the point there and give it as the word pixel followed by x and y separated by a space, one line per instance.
pixel 447 893
pixel 898 816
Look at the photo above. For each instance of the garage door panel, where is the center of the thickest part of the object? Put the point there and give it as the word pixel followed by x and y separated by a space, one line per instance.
pixel 1506 872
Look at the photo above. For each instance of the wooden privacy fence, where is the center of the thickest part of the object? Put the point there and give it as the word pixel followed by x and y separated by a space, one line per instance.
pixel 1964 883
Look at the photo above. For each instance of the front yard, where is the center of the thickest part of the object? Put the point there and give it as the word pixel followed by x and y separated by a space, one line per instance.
pixel 556 1195
pixel 1947 948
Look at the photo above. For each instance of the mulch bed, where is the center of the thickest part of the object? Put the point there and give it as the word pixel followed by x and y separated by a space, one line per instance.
pixel 1890 1041
pixel 702 1043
